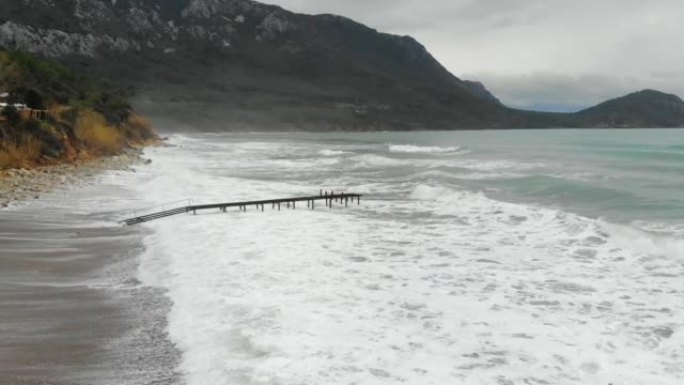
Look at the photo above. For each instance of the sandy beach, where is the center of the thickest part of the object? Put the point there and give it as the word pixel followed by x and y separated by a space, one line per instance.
pixel 71 310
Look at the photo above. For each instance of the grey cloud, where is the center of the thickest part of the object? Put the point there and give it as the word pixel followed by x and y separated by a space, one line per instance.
pixel 533 51
pixel 408 15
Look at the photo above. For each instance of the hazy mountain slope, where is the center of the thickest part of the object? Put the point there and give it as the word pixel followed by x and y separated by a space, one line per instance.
pixel 234 64
pixel 646 108
pixel 246 62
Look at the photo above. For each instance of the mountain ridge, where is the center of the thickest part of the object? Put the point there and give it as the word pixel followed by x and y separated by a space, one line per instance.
pixel 242 64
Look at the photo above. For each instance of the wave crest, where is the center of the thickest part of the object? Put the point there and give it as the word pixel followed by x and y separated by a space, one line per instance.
pixel 412 149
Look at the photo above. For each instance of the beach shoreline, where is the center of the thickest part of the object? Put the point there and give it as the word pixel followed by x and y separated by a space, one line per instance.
pixel 72 309
pixel 18 186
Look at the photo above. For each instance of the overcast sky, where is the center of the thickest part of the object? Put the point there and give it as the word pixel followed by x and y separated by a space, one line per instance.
pixel 551 54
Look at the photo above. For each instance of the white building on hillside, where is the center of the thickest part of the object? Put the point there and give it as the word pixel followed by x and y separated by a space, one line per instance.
pixel 4 102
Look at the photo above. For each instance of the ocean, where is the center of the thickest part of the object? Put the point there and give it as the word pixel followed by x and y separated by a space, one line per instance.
pixel 474 257
pixel 494 257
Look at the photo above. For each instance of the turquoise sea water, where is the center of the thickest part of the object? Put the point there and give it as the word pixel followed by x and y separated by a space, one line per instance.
pixel 494 257
pixel 621 175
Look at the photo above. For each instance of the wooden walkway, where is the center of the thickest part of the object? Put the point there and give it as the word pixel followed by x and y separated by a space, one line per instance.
pixel 28 113
pixel 276 204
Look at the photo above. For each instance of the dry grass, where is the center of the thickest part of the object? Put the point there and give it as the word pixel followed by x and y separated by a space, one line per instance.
pixel 25 153
pixel 56 111
pixel 139 129
pixel 99 137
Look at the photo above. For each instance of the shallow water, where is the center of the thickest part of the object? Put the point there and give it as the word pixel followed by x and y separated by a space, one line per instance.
pixel 499 257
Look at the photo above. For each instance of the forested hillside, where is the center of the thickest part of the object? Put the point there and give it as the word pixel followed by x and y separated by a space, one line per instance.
pixel 51 114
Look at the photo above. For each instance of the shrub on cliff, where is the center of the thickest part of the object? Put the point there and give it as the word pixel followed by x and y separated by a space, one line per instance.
pixel 85 117
pixel 138 129
pixel 99 137
pixel 10 114
pixel 18 154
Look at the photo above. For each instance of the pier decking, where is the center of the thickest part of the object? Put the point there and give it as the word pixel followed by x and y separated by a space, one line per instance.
pixel 276 204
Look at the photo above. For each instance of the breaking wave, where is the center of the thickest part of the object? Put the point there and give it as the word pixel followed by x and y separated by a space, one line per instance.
pixel 411 149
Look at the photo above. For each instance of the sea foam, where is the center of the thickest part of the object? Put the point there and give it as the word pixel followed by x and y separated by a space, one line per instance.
pixel 439 285
pixel 413 149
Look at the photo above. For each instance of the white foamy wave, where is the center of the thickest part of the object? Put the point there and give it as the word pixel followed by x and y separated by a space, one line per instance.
pixel 500 165
pixel 490 175
pixel 411 149
pixel 371 160
pixel 652 244
pixel 328 152
pixel 582 176
pixel 646 244
pixel 676 230
pixel 481 168
pixel 449 286
pixel 443 194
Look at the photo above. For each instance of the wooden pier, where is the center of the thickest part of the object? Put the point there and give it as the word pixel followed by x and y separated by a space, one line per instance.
pixel 330 199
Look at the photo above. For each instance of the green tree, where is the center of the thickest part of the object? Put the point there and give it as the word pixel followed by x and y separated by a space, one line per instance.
pixel 11 114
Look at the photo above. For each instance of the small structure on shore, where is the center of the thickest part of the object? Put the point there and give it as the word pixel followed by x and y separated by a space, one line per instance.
pixel 5 101
pixel 28 113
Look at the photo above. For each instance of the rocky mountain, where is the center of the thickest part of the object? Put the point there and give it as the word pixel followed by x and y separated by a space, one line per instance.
pixel 236 64
pixel 647 108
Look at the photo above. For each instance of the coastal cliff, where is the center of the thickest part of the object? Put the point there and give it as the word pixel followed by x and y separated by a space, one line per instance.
pixel 50 114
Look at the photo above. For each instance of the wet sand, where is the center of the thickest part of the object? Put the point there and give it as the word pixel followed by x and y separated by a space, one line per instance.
pixel 71 310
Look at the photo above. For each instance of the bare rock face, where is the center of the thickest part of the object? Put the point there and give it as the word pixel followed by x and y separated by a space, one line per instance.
pixel 273 25
pixel 210 8
pixel 90 11
pixel 56 43
pixel 87 28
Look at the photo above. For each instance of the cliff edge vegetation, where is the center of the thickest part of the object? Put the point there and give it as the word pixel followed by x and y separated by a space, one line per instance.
pixel 50 114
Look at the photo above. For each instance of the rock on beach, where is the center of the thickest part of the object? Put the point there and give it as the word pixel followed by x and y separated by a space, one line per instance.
pixel 21 185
